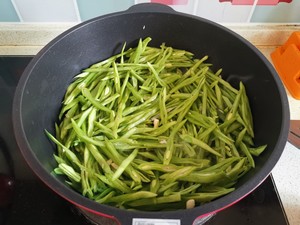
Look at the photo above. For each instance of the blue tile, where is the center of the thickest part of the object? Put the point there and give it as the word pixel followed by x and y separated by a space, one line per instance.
pixel 7 12
pixel 92 8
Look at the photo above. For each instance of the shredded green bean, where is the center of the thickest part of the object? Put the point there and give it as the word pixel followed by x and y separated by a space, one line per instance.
pixel 152 128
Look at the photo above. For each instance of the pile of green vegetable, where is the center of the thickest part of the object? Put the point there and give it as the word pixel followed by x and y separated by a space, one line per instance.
pixel 154 129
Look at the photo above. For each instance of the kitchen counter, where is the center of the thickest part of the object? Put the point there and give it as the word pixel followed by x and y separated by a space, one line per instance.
pixel 28 39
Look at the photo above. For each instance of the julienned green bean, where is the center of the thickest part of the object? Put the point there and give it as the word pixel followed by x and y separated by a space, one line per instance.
pixel 152 128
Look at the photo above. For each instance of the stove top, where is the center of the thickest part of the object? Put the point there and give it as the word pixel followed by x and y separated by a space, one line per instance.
pixel 25 200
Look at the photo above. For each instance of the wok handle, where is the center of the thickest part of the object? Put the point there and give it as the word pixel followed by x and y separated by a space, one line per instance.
pixel 150 7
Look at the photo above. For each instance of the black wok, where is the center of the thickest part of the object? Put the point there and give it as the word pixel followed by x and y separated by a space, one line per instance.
pixel 41 89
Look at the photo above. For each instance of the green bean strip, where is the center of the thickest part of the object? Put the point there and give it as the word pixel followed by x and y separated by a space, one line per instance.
pixel 162 106
pixel 70 172
pixel 154 72
pixel 116 184
pixel 246 151
pixel 154 201
pixel 98 105
pixel 99 158
pixel 173 176
pixel 132 196
pixel 246 111
pixel 124 164
pixel 257 151
pixel 170 143
pixel 106 197
pixel 207 197
pixel 201 144
pixel 158 166
pixel 84 137
pixel 204 177
pixel 69 154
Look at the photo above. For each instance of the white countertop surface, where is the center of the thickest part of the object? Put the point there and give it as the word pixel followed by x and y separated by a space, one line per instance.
pixel 28 39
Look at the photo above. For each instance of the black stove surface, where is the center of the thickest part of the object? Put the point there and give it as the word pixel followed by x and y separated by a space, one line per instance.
pixel 25 200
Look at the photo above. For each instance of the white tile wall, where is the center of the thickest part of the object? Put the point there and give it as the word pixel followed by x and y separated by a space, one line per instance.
pixel 224 12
